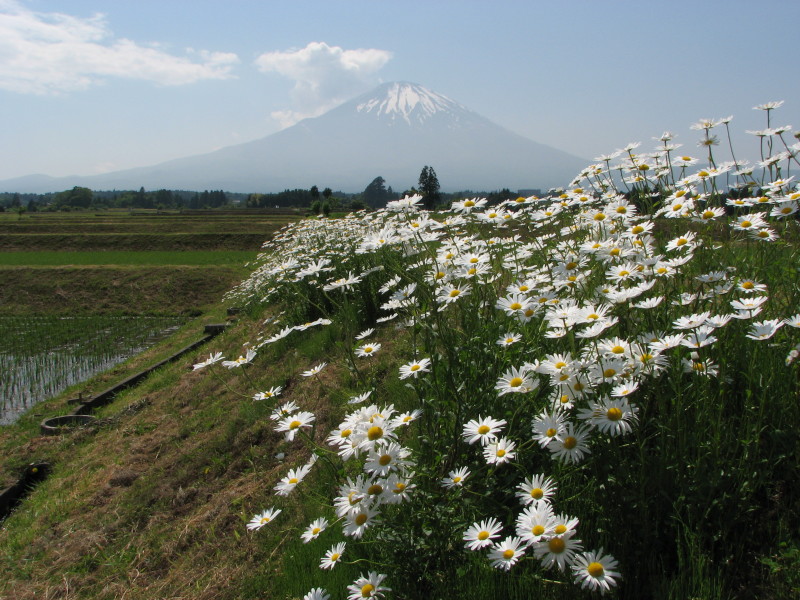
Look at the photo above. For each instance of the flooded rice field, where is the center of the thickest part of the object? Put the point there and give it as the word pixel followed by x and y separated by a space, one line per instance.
pixel 40 356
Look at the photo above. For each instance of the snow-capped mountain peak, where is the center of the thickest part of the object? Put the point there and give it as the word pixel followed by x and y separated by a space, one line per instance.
pixel 407 101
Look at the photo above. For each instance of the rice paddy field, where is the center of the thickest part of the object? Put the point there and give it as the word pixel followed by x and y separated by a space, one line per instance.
pixel 594 393
pixel 41 356
pixel 85 291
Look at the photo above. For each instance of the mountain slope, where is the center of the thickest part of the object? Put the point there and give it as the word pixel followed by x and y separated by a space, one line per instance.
pixel 392 131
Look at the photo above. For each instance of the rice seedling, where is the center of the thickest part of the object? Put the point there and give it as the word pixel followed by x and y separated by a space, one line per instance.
pixel 601 385
pixel 40 356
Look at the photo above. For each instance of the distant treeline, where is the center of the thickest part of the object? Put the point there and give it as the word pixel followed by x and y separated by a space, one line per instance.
pixel 85 198
pixel 375 195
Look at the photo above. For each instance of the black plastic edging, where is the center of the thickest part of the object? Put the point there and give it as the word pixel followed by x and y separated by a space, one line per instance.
pixel 106 396
pixel 12 496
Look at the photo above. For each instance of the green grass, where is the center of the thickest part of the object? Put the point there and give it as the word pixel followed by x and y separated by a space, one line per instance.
pixel 113 257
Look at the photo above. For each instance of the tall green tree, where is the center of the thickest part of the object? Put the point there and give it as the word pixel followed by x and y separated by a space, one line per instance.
pixel 429 187
pixel 77 197
pixel 375 194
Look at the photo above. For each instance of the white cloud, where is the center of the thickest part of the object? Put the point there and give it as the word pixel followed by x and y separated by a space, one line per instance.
pixel 45 53
pixel 324 76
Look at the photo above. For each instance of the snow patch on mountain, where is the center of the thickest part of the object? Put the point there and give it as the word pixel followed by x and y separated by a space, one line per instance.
pixel 408 101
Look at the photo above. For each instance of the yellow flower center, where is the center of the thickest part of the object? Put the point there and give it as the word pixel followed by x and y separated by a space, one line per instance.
pixel 335 556
pixel 571 265
pixel 515 306
pixel 763 233
pixel 346 433
pixel 508 554
pixel 708 214
pixel 515 382
pixel 595 569
pixel 682 241
pixel 528 312
pixel 618 350
pixel 374 489
pixel 454 293
pixel 456 479
pixel 294 424
pixel 556 545
pixel 439 275
pixel 385 460
pixel 637 229
pixel 399 487
pixel 366 590
pixel 374 433
pixel 501 453
pixel 537 493
pixel 599 217
pixel 473 260
pixel 570 442
pixel 523 288
pixel 315 531
pixel 560 529
pixel 537 530
pixel 294 480
pixel 469 203
pixel 560 364
pixel 578 387
pixel 415 367
pixel 609 372
pixel 747 224
pixel 472 271
pixel 549 433
pixel 361 518
pixel 264 520
pixel 624 273
pixel 484 429
pixel 564 399
pixel 368 349
pixel 483 535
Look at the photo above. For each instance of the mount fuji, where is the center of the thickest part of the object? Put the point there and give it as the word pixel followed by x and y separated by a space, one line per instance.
pixel 392 132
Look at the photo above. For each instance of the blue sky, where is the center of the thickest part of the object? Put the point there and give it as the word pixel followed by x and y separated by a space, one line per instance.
pixel 90 86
